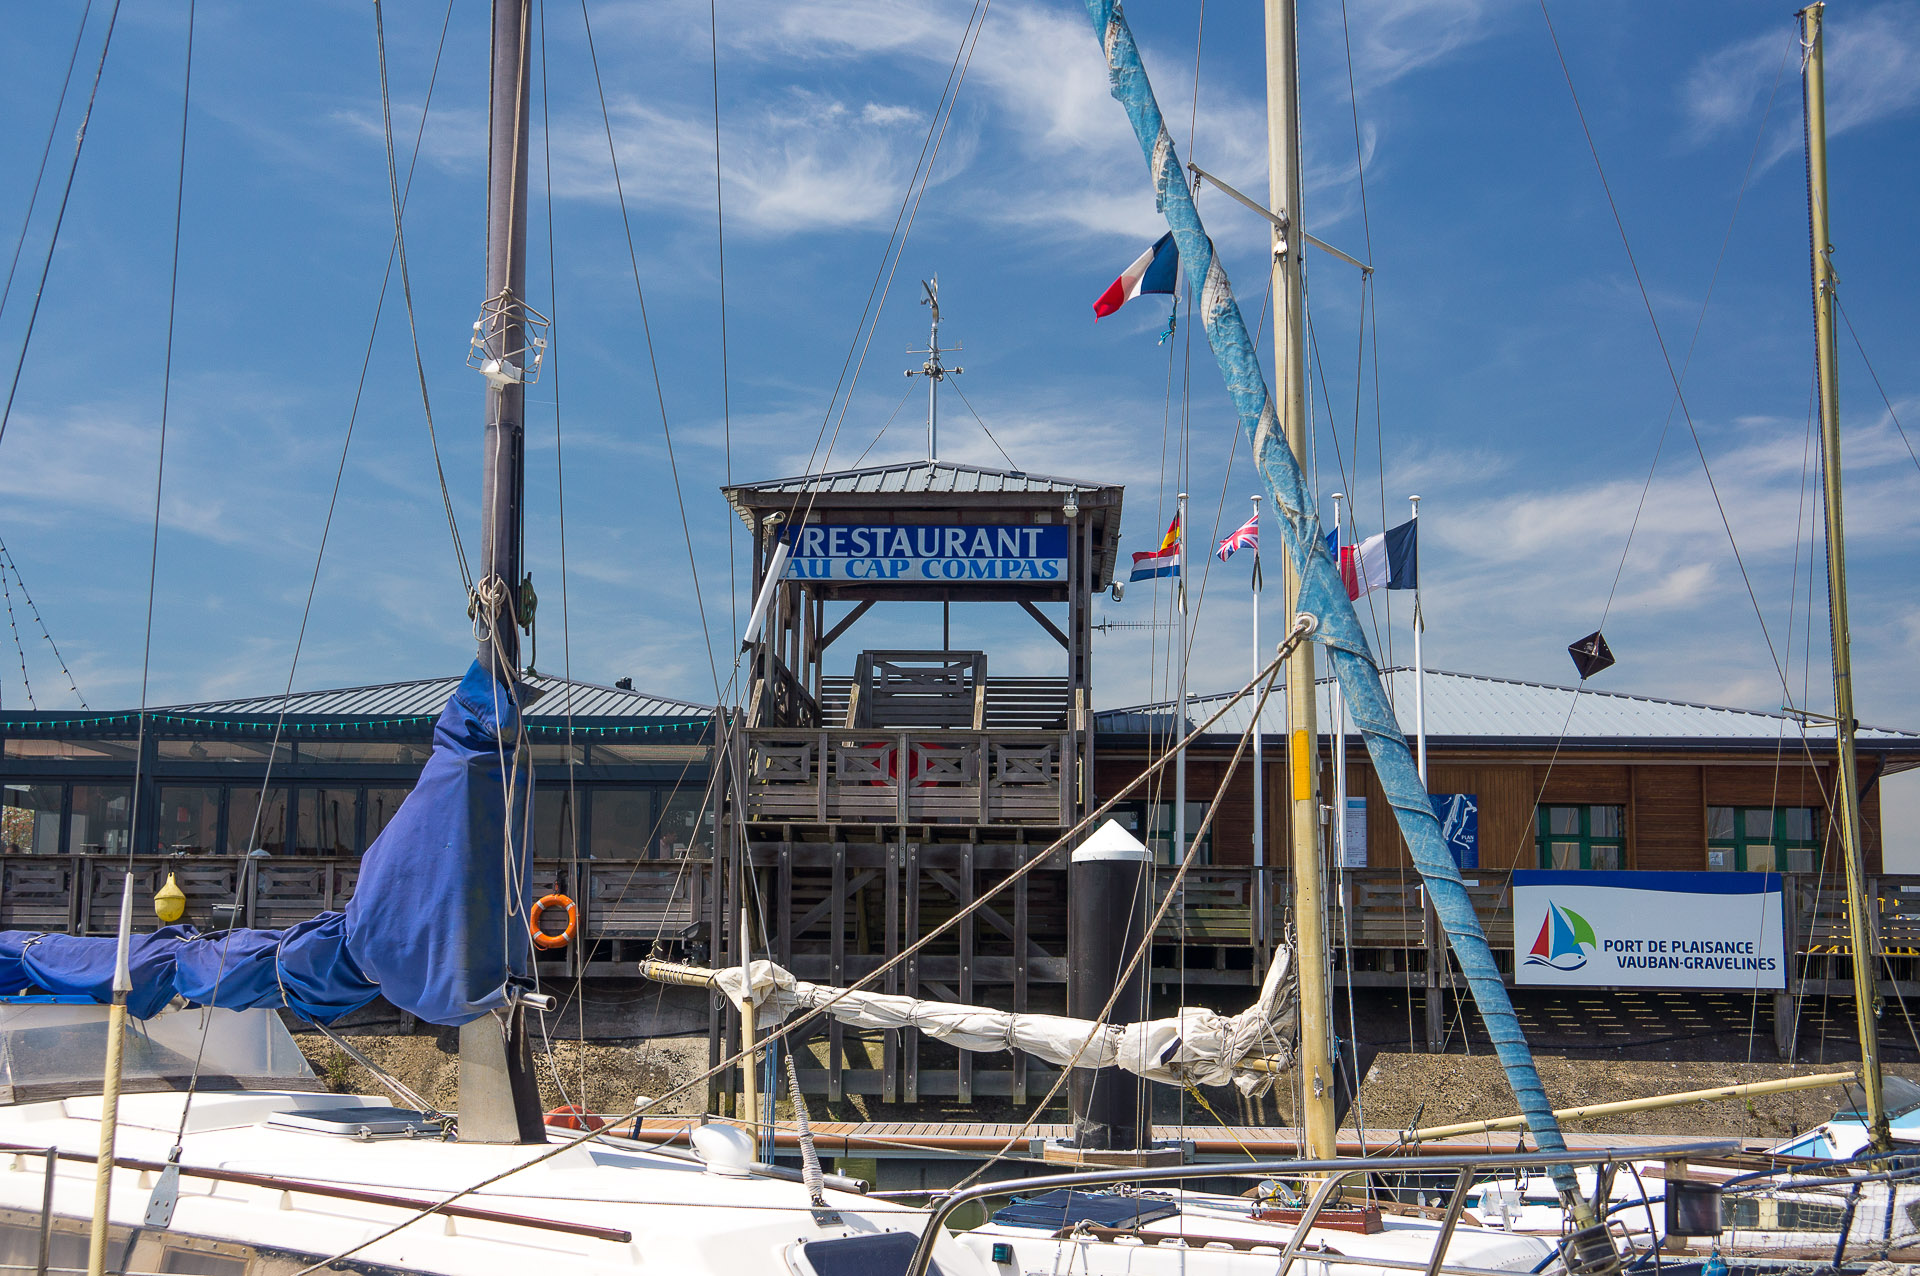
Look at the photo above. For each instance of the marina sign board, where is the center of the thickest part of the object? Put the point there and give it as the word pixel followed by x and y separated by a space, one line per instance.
pixel 957 554
pixel 1648 930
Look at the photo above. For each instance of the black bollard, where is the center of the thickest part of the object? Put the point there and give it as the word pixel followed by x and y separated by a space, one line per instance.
pixel 1109 902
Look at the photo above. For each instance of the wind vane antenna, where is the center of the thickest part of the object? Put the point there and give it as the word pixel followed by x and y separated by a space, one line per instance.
pixel 933 370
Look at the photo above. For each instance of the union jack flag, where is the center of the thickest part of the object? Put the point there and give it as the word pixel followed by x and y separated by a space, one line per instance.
pixel 1248 537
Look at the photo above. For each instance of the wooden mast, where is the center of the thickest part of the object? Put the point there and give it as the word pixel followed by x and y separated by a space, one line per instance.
pixel 1866 987
pixel 1303 741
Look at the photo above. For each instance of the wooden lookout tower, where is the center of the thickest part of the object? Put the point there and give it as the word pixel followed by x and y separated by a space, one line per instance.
pixel 879 787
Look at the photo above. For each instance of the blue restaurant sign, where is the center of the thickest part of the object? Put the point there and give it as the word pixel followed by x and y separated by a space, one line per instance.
pixel 929 554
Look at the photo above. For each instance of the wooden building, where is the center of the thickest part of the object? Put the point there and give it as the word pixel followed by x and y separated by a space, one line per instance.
pixel 1553 778
pixel 880 788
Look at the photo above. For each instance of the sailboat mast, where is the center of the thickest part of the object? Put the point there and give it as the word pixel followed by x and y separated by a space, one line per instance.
pixel 503 473
pixel 1866 995
pixel 1303 741
pixel 499 1101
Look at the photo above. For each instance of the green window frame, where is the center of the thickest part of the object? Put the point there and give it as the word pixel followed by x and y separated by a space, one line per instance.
pixel 1762 839
pixel 1585 837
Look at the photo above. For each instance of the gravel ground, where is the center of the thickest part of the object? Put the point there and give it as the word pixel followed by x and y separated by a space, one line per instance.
pixel 1400 1089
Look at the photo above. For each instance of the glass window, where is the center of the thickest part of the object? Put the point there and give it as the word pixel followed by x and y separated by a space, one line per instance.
pixel 71 750
pixel 381 804
pixel 1585 837
pixel 612 754
pixel 178 1261
pixel 558 754
pixel 30 818
pixel 254 751
pixel 398 751
pixel 1160 838
pixel 66 1248
pixel 269 833
pixel 325 822
pixel 189 819
pixel 1762 839
pixel 682 831
pixel 556 825
pixel 622 823
pixel 100 820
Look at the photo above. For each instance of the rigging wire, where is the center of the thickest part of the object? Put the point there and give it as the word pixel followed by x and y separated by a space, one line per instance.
pixel 326 528
pixel 8 562
pixel 160 459
pixel 807 1017
pixel 59 218
pixel 1673 374
pixel 983 426
pixel 406 291
pixel 19 647
pixel 653 359
pixel 46 153
pixel 726 383
pixel 1891 414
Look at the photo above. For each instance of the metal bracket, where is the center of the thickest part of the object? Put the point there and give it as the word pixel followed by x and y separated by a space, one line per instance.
pixel 1279 220
pixel 166 1194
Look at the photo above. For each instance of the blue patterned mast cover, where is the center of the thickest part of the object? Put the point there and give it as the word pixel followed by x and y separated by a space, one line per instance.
pixel 1322 593
pixel 435 924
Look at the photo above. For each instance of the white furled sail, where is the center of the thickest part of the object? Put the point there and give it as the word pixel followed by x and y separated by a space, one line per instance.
pixel 1195 1046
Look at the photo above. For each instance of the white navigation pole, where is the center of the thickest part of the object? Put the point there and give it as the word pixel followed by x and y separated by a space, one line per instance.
pixel 1259 761
pixel 1180 713
pixel 933 370
pixel 1419 665
pixel 1340 721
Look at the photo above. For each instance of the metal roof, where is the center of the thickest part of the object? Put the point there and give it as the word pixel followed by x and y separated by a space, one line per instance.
pixel 428 696
pixel 1471 708
pixel 938 477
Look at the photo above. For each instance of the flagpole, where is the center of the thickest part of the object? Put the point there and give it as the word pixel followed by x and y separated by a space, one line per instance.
pixel 1259 761
pixel 1180 718
pixel 1340 721
pixel 1419 665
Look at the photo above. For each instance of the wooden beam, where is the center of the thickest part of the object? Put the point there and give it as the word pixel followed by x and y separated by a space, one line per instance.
pixel 1045 624
pixel 846 623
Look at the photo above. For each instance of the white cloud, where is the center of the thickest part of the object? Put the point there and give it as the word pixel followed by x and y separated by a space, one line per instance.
pixel 1872 74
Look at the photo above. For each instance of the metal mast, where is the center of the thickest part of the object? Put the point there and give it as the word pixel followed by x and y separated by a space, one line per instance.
pixel 933 370
pixel 1303 741
pixel 499 1101
pixel 1866 991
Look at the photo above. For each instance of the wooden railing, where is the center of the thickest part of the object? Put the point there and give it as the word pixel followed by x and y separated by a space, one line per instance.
pixel 80 894
pixel 909 777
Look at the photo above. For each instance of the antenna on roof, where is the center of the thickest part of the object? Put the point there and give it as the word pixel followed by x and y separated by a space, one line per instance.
pixel 933 370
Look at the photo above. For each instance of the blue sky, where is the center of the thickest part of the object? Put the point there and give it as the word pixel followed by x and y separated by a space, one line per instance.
pixel 1521 391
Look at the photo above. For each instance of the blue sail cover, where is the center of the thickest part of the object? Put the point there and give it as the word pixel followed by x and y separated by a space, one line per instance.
pixel 1322 593
pixel 434 924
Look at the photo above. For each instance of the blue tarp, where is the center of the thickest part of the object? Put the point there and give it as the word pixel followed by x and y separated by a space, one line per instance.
pixel 435 924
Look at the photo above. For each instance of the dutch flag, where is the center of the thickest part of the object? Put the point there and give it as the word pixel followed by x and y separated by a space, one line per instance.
pixel 1154 270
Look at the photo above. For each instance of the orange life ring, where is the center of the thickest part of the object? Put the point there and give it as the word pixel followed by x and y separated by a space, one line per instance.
pixel 541 939
pixel 571 1116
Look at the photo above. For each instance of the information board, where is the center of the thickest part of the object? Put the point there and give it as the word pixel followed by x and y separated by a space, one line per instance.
pixel 947 554
pixel 1650 930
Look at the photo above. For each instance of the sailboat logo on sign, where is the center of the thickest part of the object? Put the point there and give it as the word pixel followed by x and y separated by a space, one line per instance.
pixel 1564 937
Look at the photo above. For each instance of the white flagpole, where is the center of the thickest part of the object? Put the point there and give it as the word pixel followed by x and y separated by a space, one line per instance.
pixel 1340 728
pixel 1180 719
pixel 1419 665
pixel 1259 762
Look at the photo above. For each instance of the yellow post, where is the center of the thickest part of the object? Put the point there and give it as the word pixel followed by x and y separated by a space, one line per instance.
pixel 110 1092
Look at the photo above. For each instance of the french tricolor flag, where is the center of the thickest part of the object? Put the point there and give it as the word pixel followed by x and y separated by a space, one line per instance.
pixel 1154 270
pixel 1388 560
